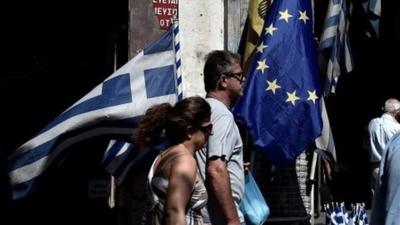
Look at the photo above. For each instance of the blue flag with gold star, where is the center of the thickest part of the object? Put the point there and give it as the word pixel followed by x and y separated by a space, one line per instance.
pixel 280 105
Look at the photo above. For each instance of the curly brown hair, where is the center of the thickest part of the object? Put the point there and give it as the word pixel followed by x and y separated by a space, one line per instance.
pixel 172 121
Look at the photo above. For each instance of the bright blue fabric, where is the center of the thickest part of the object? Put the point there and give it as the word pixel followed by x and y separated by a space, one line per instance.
pixel 386 204
pixel 280 102
pixel 253 205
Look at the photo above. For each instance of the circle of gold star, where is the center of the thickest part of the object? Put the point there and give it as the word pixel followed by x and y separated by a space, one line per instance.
pixel 312 96
pixel 262 66
pixel 261 47
pixel 285 15
pixel 303 16
pixel 270 29
pixel 292 97
pixel 272 86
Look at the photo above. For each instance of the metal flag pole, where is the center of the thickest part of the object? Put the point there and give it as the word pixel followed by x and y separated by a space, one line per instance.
pixel 178 62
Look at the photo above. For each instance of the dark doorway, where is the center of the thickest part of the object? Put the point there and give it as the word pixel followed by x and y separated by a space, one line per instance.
pixel 53 54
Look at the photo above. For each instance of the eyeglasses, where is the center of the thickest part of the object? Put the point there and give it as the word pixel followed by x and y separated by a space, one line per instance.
pixel 238 76
pixel 206 128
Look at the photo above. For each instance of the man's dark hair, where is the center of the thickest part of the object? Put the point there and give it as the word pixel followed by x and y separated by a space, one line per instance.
pixel 217 63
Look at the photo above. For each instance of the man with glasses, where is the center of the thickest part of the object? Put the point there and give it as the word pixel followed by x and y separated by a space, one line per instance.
pixel 238 76
pixel 221 163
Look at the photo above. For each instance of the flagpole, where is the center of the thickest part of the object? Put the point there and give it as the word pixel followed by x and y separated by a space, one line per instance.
pixel 312 179
pixel 111 197
pixel 178 62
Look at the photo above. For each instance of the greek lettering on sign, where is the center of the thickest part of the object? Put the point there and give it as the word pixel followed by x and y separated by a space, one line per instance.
pixel 165 10
pixel 175 2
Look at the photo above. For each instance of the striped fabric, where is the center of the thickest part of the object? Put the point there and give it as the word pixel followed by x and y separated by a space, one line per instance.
pixel 335 44
pixel 112 108
pixel 326 141
pixel 373 10
pixel 120 157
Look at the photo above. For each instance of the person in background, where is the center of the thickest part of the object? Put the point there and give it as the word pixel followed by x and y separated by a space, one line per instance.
pixel 177 192
pixel 386 203
pixel 221 163
pixel 380 130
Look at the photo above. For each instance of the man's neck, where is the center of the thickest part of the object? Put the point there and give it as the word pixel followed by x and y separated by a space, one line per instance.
pixel 220 96
pixel 393 114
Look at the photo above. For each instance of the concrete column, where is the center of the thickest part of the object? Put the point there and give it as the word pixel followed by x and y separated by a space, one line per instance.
pixel 202 30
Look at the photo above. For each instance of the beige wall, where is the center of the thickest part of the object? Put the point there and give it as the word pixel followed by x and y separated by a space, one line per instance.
pixel 205 25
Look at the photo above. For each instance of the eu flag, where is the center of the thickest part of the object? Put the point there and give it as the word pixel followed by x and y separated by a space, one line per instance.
pixel 280 105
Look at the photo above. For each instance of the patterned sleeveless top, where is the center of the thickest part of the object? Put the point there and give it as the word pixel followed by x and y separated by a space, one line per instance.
pixel 158 186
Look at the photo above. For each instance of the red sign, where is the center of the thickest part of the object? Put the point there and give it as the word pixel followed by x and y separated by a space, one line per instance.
pixel 165 11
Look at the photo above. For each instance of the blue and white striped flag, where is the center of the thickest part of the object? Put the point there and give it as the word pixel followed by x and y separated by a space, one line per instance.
pixel 335 44
pixel 326 141
pixel 336 214
pixel 373 11
pixel 112 108
pixel 120 156
pixel 362 215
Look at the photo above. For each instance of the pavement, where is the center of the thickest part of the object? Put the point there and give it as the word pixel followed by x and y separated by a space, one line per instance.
pixel 320 220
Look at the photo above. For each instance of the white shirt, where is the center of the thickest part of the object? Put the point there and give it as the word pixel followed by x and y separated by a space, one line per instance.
pixel 380 131
pixel 226 143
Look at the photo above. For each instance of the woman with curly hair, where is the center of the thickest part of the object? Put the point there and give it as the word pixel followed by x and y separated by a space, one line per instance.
pixel 176 188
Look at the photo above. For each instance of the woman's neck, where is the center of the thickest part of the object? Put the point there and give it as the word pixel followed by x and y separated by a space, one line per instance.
pixel 189 147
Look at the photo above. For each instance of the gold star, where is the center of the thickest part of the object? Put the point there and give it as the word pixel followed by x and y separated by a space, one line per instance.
pixel 312 96
pixel 303 16
pixel 262 65
pixel 270 29
pixel 292 97
pixel 261 47
pixel 272 86
pixel 285 15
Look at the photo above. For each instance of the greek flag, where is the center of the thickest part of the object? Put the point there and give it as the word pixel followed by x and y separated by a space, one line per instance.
pixel 120 156
pixel 326 141
pixel 334 43
pixel 336 214
pixel 373 10
pixel 111 108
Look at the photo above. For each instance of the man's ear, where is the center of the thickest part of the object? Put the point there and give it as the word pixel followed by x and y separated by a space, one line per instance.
pixel 222 82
